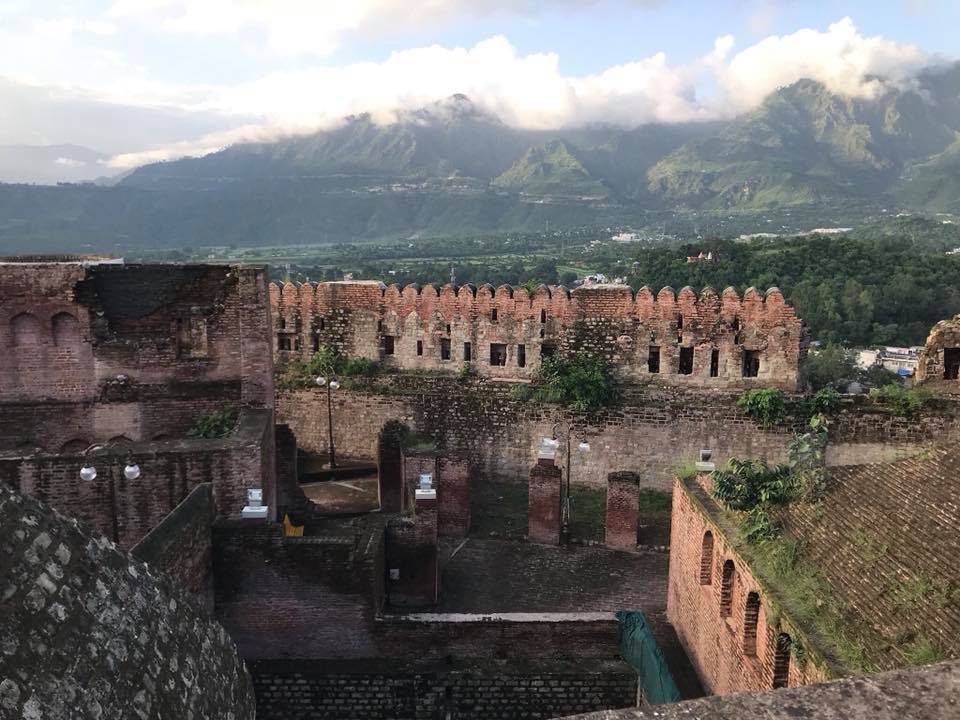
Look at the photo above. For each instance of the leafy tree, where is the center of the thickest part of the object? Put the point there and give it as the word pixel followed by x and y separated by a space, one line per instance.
pixel 216 424
pixel 746 484
pixel 831 367
pixel 901 400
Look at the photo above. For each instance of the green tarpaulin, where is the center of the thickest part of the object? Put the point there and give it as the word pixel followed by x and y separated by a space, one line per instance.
pixel 639 648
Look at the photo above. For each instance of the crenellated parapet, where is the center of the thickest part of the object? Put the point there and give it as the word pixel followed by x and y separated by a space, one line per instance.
pixel 678 337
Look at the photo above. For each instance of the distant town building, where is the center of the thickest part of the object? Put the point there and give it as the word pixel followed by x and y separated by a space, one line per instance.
pixel 702 257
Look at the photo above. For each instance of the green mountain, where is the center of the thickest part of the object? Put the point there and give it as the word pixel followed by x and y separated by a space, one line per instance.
pixel 451 168
pixel 551 169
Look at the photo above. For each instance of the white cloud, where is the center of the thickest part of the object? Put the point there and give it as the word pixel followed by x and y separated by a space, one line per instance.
pixel 84 55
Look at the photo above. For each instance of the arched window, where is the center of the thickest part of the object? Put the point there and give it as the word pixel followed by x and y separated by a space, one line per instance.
pixel 726 588
pixel 706 559
pixel 781 661
pixel 751 615
pixel 25 329
pixel 77 445
pixel 66 330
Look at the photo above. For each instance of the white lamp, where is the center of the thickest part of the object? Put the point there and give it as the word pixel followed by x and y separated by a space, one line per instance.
pixel 131 471
pixel 88 473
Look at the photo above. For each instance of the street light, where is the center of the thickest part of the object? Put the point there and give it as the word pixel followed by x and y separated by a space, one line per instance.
pixel 88 473
pixel 582 446
pixel 331 385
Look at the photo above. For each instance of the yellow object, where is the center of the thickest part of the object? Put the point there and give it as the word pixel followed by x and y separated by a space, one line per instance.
pixel 291 530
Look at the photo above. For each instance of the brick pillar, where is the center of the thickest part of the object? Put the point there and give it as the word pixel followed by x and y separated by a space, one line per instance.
pixel 413 464
pixel 543 503
pixel 704 479
pixel 412 556
pixel 623 507
pixel 453 497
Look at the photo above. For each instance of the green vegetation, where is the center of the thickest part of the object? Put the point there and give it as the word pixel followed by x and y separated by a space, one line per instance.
pixel 588 508
pixel 923 651
pixel 325 362
pixel 580 382
pixel 765 406
pixel 900 400
pixel 653 500
pixel 217 424
pixel 831 367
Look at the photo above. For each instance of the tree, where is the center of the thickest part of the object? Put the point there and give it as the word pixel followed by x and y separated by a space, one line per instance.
pixel 833 366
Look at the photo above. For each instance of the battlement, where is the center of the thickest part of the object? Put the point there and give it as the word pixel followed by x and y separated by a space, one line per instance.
pixel 684 337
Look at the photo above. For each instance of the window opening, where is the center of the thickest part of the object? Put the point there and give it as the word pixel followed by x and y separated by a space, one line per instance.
pixel 498 354
pixel 781 661
pixel 714 363
pixel 419 347
pixel 493 314
pixel 951 363
pixel 467 352
pixel 653 359
pixel 521 355
pixel 751 615
pixel 444 348
pixel 751 363
pixel 387 344
pixel 706 559
pixel 686 361
pixel 726 588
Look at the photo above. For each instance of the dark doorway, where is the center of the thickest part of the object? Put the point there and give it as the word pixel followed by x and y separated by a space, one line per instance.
pixel 467 352
pixel 714 363
pixel 387 344
pixel 686 361
pixel 951 363
pixel 751 363
pixel 521 355
pixel 653 359
pixel 444 349
pixel 498 354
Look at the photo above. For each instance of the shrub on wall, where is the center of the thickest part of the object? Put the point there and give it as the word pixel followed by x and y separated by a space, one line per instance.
pixel 580 381
pixel 326 361
pixel 217 424
pixel 765 406
pixel 901 400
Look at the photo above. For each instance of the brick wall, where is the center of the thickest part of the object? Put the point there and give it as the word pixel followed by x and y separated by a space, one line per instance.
pixel 361 318
pixel 651 432
pixel 411 551
pixel 182 545
pixel 543 503
pixel 623 499
pixel 126 510
pixel 731 642
pixel 313 690
pixel 453 496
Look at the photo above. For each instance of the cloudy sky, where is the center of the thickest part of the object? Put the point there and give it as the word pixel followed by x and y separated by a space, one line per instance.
pixel 141 80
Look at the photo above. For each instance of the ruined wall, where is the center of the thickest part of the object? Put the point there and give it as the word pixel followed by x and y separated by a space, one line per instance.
pixel 297 691
pixel 731 643
pixel 73 330
pixel 126 510
pixel 938 365
pixel 505 332
pixel 652 431
pixel 182 545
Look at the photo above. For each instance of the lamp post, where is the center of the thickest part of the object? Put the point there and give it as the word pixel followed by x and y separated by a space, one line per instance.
pixel 331 385
pixel 88 473
pixel 582 446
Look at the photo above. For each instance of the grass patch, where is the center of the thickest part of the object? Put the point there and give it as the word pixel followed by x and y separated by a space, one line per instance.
pixel 655 501
pixel 588 510
pixel 498 507
pixel 922 651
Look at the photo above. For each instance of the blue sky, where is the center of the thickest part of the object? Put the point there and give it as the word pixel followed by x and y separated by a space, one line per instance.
pixel 211 72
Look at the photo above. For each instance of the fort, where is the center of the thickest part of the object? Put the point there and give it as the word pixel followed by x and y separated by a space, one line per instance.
pixel 475 554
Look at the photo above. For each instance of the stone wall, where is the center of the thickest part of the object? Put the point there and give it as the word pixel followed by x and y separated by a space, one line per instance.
pixel 505 332
pixel 87 631
pixel 302 690
pixel 126 510
pixel 722 614
pixel 182 544
pixel 651 431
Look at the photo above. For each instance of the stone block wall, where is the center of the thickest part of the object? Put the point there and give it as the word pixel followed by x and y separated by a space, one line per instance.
pixel 89 631
pixel 938 365
pixel 543 503
pixel 182 545
pixel 651 431
pixel 623 510
pixel 506 332
pixel 722 613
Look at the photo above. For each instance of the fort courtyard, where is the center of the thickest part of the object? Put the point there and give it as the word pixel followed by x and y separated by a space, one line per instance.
pixel 222 497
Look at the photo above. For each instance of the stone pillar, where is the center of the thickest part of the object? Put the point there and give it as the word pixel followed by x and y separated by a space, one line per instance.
pixel 623 507
pixel 413 465
pixel 543 503
pixel 412 555
pixel 453 497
